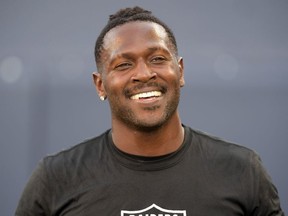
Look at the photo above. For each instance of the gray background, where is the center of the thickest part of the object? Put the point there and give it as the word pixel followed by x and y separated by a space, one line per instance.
pixel 236 68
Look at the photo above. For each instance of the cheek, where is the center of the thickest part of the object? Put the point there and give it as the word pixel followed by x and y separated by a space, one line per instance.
pixel 171 74
pixel 114 84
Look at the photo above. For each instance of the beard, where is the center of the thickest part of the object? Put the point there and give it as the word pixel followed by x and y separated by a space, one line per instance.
pixel 128 116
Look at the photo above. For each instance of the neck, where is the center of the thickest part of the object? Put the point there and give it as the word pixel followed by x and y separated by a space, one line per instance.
pixel 163 140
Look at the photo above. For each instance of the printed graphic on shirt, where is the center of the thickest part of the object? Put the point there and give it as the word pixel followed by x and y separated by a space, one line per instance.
pixel 154 210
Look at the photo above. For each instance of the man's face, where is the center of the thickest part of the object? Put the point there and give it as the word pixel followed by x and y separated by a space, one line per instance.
pixel 141 75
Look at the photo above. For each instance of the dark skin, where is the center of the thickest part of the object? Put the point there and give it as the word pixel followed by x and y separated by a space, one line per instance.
pixel 141 77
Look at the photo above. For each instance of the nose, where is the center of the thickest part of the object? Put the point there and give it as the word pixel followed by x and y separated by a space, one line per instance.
pixel 143 73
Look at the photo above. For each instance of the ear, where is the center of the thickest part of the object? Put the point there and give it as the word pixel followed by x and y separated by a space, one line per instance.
pixel 181 71
pixel 98 82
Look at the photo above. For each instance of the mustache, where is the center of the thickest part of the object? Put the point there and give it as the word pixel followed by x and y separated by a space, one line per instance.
pixel 128 92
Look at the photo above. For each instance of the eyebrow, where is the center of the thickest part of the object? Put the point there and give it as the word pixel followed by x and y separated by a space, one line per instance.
pixel 153 49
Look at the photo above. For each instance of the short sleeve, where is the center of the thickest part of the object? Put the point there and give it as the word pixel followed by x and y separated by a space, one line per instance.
pixel 35 197
pixel 267 194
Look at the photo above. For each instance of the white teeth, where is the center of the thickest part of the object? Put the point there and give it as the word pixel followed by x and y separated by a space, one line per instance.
pixel 146 95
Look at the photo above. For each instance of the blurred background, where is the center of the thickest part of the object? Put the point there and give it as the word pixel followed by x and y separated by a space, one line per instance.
pixel 236 69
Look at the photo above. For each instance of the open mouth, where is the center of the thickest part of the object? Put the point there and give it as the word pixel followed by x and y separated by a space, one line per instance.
pixel 146 95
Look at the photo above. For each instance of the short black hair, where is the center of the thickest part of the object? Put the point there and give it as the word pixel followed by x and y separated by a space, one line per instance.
pixel 129 15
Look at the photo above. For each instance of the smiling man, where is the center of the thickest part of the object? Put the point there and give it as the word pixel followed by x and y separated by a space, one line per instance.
pixel 141 77
pixel 149 162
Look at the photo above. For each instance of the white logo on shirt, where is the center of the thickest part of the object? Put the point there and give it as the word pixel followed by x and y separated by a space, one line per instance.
pixel 154 210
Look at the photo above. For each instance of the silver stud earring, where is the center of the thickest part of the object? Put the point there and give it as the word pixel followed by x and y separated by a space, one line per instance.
pixel 102 98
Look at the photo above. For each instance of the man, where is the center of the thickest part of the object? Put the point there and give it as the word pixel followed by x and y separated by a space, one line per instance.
pixel 149 163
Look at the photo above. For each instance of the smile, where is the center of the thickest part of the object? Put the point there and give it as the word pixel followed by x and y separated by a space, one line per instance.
pixel 146 95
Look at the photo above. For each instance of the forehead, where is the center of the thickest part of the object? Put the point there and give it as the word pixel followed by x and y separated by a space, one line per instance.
pixel 134 34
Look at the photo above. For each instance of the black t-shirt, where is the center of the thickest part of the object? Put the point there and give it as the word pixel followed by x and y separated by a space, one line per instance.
pixel 205 176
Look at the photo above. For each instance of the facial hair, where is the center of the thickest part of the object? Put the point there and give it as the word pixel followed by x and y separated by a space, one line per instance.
pixel 128 117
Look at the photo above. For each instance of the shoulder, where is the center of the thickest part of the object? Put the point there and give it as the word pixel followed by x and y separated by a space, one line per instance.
pixel 226 161
pixel 218 149
pixel 71 161
pixel 57 175
pixel 230 165
pixel 92 145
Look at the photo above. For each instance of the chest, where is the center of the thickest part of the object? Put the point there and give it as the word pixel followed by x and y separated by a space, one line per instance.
pixel 174 191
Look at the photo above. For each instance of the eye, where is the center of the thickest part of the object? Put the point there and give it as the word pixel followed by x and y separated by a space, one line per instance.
pixel 123 66
pixel 158 59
